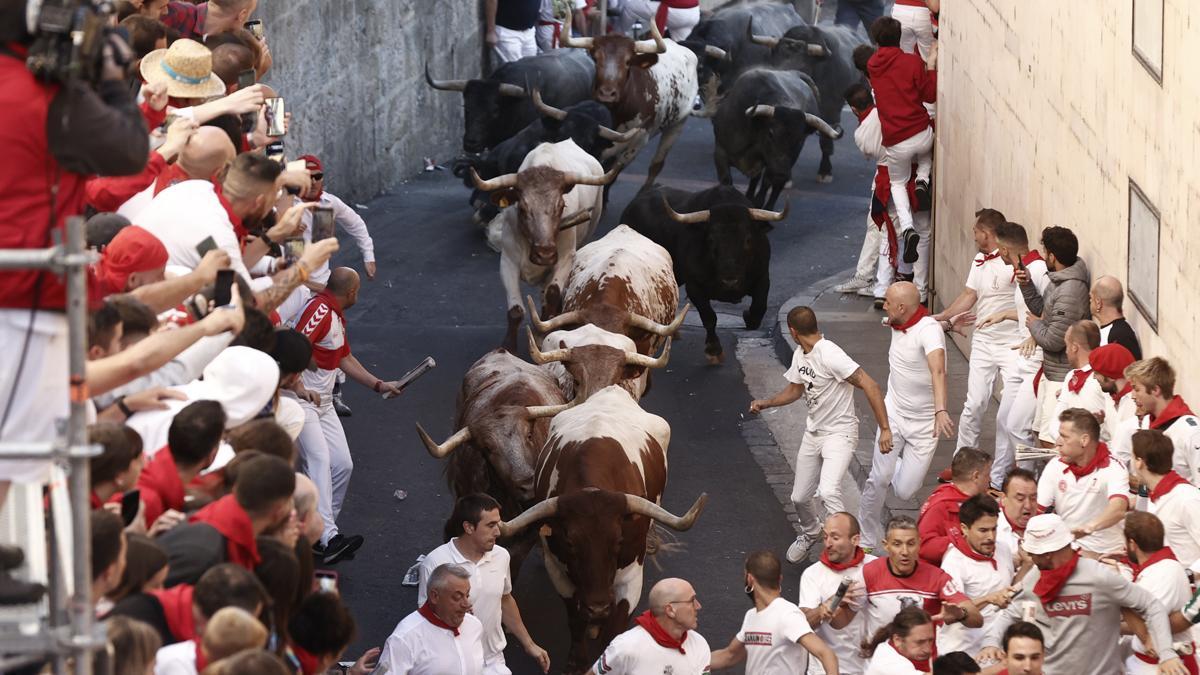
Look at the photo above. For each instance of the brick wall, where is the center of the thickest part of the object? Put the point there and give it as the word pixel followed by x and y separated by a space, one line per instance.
pixel 351 72
pixel 1045 114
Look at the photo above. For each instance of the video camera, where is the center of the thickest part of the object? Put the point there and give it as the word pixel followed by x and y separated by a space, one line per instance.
pixel 69 39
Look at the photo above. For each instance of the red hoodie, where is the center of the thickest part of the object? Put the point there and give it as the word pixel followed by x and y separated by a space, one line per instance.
pixel 902 85
pixel 160 485
pixel 938 518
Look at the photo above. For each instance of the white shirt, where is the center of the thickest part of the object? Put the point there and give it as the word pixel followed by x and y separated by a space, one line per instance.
pixel 1179 511
pixel 186 214
pixel 321 380
pixel 490 582
pixel 1090 397
pixel 771 637
pixel 1167 581
pixel 1184 433
pixel 345 218
pixel 1039 277
pixel 910 384
pixel 176 659
pixel 829 397
pixel 992 281
pixel 818 583
pixel 635 652
pixel 1079 501
pixel 869 136
pixel 977 578
pixel 1117 418
pixel 1007 537
pixel 418 647
pixel 887 661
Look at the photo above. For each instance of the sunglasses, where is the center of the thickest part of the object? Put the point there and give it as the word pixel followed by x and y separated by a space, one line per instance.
pixel 318 175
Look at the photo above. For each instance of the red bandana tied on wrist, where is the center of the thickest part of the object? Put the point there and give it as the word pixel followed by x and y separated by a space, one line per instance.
pixel 1164 553
pixel 647 621
pixel 921 313
pixel 426 611
pixel 960 542
pixel 1166 484
pixel 1098 462
pixel 980 262
pixel 1174 410
pixel 1078 378
pixel 1051 581
pixel 854 560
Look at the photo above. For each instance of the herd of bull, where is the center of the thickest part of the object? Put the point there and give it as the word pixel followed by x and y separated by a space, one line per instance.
pixel 562 442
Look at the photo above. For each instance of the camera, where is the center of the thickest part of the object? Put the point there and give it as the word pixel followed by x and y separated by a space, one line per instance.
pixel 69 38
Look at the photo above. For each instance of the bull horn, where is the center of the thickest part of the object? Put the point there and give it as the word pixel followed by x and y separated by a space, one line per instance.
pixel 547 508
pixel 822 126
pixel 715 52
pixel 817 50
pixel 439 451
pixel 542 358
pixel 764 40
pixel 575 219
pixel 636 359
pixel 645 507
pixel 655 45
pixel 769 216
pixel 547 109
pixel 592 179
pixel 688 218
pixel 760 110
pixel 652 326
pixel 499 182
pixel 553 324
pixel 512 90
pixel 578 43
pixel 617 136
pixel 539 411
pixel 444 85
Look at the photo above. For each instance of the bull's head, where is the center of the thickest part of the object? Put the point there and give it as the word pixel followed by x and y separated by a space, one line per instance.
pixel 588 531
pixel 482 102
pixel 538 193
pixel 615 55
pixel 597 365
pixel 780 132
pixel 798 46
pixel 589 134
pixel 731 233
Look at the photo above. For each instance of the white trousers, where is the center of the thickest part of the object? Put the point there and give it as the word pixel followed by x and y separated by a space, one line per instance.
pixel 325 456
pixel 1020 418
pixel 989 359
pixel 38 400
pixel 821 463
pixel 545 37
pixel 1044 422
pixel 904 469
pixel 916 29
pixel 899 158
pixel 512 45
pixel 885 275
pixel 868 257
pixel 680 22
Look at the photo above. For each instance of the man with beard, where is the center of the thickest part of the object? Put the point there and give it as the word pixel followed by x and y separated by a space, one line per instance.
pixel 980 567
pixel 904 646
pixel 775 637
pixel 842 559
pixel 1120 412
pixel 1018 503
pixel 1080 602
pixel 1159 407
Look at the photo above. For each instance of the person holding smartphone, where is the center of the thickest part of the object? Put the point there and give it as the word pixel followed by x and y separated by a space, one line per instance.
pixel 343 216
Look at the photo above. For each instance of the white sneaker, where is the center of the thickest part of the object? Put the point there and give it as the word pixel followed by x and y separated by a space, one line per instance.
pixel 852 285
pixel 867 291
pixel 799 549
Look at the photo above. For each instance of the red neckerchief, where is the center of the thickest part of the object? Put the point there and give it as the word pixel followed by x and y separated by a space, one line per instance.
pixel 1028 258
pixel 1020 531
pixel 426 610
pixel 309 662
pixel 238 228
pixel 986 257
pixel 171 175
pixel 201 661
pixel 647 621
pixel 176 603
pixel 1164 553
pixel 1098 462
pixel 1166 484
pixel 1122 394
pixel 1078 379
pixel 1051 581
pixel 854 560
pixel 1175 409
pixel 95 501
pixel 161 476
pixel 945 493
pixel 960 542
pixel 921 313
pixel 660 17
pixel 231 520
pixel 864 114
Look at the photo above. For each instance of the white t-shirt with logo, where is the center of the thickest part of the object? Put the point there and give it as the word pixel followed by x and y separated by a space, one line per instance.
pixel 977 578
pixel 771 638
pixel 829 397
pixel 635 652
pixel 818 583
pixel 992 281
pixel 910 385
pixel 1081 500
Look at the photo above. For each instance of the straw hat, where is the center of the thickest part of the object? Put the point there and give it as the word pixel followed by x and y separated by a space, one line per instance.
pixel 186 68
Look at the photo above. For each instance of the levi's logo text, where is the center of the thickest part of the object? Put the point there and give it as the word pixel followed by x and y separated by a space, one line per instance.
pixel 1069 605
pixel 758 639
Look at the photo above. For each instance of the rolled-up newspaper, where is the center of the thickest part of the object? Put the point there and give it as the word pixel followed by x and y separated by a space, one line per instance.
pixel 423 367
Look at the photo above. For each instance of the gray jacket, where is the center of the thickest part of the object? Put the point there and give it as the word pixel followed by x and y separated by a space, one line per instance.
pixel 1065 302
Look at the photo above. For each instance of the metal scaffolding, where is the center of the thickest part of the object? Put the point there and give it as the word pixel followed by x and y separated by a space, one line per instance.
pixel 69 633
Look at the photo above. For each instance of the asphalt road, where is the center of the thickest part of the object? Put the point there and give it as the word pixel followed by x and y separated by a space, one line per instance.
pixel 438 293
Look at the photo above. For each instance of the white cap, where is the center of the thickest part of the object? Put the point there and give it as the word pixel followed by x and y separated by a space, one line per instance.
pixel 1046 533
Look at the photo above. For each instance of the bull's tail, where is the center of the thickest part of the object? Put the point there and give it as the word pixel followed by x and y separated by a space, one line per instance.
pixel 661 540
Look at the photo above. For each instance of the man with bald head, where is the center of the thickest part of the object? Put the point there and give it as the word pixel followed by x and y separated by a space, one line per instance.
pixel 1108 300
pixel 916 406
pixel 324 451
pixel 665 638
pixel 305 502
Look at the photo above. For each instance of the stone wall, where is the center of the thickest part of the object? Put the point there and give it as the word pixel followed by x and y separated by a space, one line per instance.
pixel 1045 113
pixel 351 73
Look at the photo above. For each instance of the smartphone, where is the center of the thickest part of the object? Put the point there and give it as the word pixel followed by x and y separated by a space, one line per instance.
pixel 130 503
pixel 223 294
pixel 275 151
pixel 274 112
pixel 322 223
pixel 292 249
pixel 205 246
pixel 254 26
pixel 326 581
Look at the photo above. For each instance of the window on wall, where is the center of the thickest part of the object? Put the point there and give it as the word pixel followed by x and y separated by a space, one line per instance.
pixel 1148 35
pixel 1143 254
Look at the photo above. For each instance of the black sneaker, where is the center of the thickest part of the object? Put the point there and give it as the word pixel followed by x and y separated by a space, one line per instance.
pixel 340 546
pixel 878 303
pixel 911 239
pixel 16 592
pixel 11 557
pixel 924 195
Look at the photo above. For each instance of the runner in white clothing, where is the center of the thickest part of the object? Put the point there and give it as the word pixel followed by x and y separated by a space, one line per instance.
pixel 1161 408
pixel 1157 570
pixel 841 560
pixel 775 638
pixel 825 377
pixel 663 639
pixel 440 638
pixel 1080 389
pixel 982 566
pixel 1175 501
pixel 916 406
pixel 894 647
pixel 1108 364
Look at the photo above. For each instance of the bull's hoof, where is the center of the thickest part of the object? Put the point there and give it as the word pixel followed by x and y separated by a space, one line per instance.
pixel 824 178
pixel 752 322
pixel 715 358
pixel 551 302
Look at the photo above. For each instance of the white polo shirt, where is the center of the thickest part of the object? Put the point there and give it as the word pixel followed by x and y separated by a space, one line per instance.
pixel 184 215
pixel 818 583
pixel 992 281
pixel 829 397
pixel 1179 511
pixel 635 652
pixel 490 582
pixel 1081 500
pixel 887 661
pixel 910 385
pixel 1167 581
pixel 1184 433
pixel 1090 397
pixel 417 647
pixel 771 637
pixel 977 578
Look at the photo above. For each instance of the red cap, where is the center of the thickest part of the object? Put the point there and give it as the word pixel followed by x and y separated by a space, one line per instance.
pixel 1110 360
pixel 132 250
pixel 311 162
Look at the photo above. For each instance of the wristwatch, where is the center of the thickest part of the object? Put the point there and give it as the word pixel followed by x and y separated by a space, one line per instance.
pixel 120 403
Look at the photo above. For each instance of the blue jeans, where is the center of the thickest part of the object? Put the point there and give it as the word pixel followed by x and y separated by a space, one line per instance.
pixel 850 12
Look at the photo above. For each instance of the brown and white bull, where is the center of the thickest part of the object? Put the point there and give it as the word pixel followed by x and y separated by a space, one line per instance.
pixel 601 478
pixel 586 359
pixel 536 245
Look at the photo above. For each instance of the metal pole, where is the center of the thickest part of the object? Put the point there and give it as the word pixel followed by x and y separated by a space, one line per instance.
pixel 603 5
